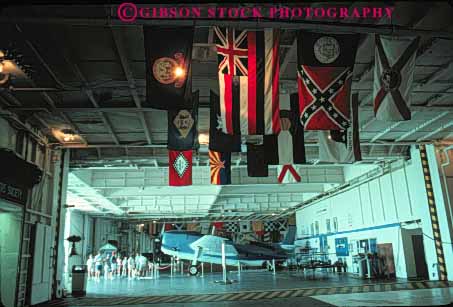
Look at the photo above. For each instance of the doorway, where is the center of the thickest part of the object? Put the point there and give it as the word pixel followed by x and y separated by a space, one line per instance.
pixel 419 257
pixel 10 239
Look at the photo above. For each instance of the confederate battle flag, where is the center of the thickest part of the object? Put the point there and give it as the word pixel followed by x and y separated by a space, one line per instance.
pixel 325 64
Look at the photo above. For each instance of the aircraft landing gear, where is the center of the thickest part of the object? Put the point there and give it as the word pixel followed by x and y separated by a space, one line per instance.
pixel 193 270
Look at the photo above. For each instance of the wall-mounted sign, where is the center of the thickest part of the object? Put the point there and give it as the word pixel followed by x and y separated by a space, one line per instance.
pixel 341 246
pixel 17 176
pixel 13 193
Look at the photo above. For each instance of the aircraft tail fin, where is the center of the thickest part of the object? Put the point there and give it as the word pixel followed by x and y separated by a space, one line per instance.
pixel 290 236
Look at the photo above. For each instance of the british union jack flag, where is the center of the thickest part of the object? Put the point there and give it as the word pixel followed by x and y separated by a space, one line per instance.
pixel 232 51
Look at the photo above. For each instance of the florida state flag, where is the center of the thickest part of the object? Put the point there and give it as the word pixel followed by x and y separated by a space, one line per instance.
pixel 168 66
pixel 325 64
pixel 248 80
pixel 220 163
pixel 393 76
pixel 180 167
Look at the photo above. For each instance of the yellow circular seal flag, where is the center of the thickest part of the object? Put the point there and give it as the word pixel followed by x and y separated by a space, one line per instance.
pixel 163 70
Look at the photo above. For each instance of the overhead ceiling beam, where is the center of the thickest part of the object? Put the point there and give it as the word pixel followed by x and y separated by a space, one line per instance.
pixel 418 128
pixel 130 79
pixel 437 108
pixel 93 101
pixel 46 96
pixel 421 126
pixel 393 30
pixel 436 131
pixel 388 129
pixel 104 145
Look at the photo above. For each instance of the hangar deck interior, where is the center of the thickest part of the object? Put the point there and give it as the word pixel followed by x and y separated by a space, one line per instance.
pixel 85 156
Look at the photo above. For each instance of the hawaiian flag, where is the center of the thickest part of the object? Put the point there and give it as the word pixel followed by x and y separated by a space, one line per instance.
pixel 180 167
pixel 248 80
pixel 325 65
pixel 393 76
pixel 220 163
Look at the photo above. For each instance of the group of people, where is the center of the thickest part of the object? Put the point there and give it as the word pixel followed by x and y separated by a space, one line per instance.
pixel 113 265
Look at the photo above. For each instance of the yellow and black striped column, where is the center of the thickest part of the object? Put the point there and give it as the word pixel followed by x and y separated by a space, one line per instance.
pixel 433 213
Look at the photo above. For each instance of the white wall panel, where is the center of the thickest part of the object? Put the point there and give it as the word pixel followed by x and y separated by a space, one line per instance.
pixel 382 204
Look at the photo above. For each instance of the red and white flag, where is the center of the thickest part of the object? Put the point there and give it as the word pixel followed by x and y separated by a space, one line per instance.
pixel 180 167
pixel 393 76
pixel 248 81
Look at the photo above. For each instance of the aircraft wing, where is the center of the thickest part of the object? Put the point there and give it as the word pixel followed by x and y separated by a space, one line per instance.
pixel 213 245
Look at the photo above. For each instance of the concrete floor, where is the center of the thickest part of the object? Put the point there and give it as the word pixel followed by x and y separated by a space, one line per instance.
pixel 246 281
pixel 422 297
pixel 260 289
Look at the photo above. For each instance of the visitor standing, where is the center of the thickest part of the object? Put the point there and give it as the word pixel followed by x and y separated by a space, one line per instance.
pixel 98 264
pixel 90 266
pixel 113 265
pixel 131 267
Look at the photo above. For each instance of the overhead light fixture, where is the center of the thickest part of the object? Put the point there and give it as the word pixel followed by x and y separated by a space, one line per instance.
pixel 203 138
pixel 179 72
pixel 4 77
pixel 68 135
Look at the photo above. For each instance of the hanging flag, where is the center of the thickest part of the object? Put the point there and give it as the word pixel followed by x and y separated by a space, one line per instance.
pixel 168 53
pixel 288 146
pixel 342 146
pixel 153 229
pixel 258 227
pixel 248 80
pixel 231 227
pixel 204 227
pixel 277 225
pixel 193 227
pixel 244 226
pixel 217 225
pixel 325 65
pixel 180 167
pixel 256 161
pixel 182 127
pixel 179 226
pixel 219 141
pixel 393 76
pixel 220 163
pixel 288 174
